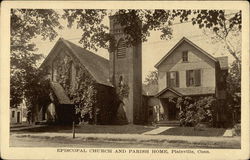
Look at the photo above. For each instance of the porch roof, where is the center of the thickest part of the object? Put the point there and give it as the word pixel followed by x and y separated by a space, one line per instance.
pixel 190 91
pixel 168 90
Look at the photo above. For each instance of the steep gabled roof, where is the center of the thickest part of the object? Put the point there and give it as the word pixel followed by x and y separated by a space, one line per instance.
pixel 97 66
pixel 184 39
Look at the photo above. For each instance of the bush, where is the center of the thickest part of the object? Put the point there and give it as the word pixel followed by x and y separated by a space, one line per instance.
pixel 196 110
pixel 237 130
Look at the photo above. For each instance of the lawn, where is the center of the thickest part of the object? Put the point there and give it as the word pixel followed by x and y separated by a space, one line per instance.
pixel 126 129
pixel 189 131
pixel 59 141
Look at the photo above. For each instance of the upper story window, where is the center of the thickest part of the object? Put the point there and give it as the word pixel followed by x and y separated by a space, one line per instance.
pixel 173 79
pixel 121 49
pixel 13 114
pixel 185 56
pixel 193 78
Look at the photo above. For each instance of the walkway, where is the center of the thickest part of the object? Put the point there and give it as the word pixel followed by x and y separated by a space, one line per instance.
pixel 157 130
pixel 228 133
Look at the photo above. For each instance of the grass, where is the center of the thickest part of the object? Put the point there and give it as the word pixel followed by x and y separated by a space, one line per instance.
pixel 59 141
pixel 189 131
pixel 125 129
pixel 118 129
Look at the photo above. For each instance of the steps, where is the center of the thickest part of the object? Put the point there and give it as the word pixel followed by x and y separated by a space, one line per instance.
pixel 168 123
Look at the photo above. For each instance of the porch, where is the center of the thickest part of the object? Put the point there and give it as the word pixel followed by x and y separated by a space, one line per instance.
pixel 167 113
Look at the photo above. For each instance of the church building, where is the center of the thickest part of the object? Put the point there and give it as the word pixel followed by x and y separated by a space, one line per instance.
pixel 116 83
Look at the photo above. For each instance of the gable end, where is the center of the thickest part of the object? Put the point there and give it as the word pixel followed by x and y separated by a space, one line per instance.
pixel 184 39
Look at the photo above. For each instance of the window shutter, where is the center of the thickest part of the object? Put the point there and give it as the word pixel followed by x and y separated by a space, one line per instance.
pixel 177 78
pixel 198 77
pixel 187 78
pixel 168 79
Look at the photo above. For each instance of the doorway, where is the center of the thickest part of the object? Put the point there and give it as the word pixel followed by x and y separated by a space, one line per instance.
pixel 172 111
pixel 18 117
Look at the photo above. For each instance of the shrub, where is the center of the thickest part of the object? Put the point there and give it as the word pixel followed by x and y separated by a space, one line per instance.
pixel 196 110
pixel 237 130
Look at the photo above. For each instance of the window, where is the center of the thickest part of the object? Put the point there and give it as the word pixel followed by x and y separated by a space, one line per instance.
pixel 193 78
pixel 184 56
pixel 13 114
pixel 173 79
pixel 121 49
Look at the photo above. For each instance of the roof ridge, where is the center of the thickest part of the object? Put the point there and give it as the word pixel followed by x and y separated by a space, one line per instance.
pixel 97 66
pixel 89 52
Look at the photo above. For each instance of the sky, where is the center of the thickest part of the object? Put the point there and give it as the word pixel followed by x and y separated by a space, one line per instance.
pixel 152 50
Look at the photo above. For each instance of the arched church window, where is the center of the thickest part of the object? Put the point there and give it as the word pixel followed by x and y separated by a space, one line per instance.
pixel 121 49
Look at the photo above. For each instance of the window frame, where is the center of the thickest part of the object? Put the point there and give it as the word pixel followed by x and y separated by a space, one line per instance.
pixel 184 56
pixel 195 73
pixel 191 77
pixel 13 114
pixel 173 82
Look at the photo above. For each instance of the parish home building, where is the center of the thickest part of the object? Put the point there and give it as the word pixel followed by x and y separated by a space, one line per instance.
pixel 188 70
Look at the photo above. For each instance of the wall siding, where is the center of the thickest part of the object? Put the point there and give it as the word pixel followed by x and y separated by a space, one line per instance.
pixel 196 60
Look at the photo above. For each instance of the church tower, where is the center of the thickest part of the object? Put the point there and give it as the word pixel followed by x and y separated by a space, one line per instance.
pixel 126 70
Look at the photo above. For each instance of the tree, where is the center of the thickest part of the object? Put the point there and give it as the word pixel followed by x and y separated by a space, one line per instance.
pixel 225 27
pixel 234 89
pixel 27 24
pixel 137 25
pixel 234 79
pixel 152 78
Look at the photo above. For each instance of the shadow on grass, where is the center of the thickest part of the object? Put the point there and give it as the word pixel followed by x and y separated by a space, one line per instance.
pixel 189 131
pixel 48 128
pixel 121 129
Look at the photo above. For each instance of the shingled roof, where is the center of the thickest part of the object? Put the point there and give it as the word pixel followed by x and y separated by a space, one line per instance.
pixel 97 66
